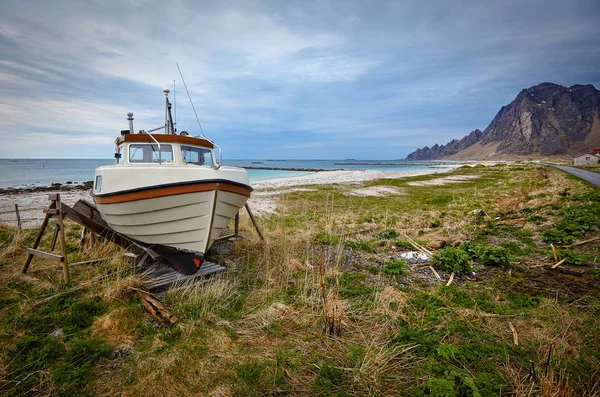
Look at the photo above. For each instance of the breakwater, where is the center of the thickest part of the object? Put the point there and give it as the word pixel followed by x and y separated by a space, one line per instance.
pixel 252 167
pixel 391 164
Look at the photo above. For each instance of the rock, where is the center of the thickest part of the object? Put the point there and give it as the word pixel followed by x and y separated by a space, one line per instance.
pixel 414 257
pixel 479 213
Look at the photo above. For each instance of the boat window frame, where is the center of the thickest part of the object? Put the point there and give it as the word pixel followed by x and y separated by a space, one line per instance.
pixel 212 155
pixel 162 145
pixel 98 183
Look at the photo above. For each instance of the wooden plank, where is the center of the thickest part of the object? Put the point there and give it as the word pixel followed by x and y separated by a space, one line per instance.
pixel 105 232
pixel 53 196
pixel 44 254
pixel 51 211
pixel 88 209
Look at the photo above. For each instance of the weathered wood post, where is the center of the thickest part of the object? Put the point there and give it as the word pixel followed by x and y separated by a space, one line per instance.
pixel 18 219
pixel 62 240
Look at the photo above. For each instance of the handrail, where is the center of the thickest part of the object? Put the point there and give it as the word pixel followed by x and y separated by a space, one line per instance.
pixel 158 144
pixel 220 156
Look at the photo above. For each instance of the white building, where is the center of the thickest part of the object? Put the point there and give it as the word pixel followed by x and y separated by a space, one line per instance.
pixel 585 159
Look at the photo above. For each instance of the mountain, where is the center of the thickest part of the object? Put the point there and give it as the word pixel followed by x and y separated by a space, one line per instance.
pixel 544 120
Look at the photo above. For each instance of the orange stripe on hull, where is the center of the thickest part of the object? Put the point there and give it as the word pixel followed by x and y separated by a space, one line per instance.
pixel 172 191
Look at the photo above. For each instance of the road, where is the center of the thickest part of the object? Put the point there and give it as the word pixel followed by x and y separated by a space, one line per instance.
pixel 591 177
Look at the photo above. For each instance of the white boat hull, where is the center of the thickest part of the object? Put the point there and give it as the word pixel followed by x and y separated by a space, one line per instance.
pixel 174 211
pixel 189 221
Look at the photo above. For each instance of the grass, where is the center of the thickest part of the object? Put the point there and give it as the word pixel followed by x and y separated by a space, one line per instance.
pixel 258 329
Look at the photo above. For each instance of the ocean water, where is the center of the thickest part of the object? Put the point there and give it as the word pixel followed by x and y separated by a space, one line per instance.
pixel 43 172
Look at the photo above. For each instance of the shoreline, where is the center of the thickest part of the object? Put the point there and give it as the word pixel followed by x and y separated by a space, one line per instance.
pixel 32 201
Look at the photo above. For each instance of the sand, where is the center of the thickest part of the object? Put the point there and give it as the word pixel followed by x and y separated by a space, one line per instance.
pixel 263 201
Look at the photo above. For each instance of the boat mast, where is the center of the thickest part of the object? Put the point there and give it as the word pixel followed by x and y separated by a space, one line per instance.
pixel 169 127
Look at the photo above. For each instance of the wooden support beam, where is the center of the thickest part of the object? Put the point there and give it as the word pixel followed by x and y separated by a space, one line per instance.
pixel 51 211
pixel 226 237
pixel 89 210
pixel 236 229
pixel 44 254
pixel 54 238
pixel 253 221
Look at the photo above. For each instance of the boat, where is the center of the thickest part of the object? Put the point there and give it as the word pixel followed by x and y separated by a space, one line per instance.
pixel 169 193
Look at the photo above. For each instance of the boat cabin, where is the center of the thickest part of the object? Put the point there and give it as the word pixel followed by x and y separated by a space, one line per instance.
pixel 144 148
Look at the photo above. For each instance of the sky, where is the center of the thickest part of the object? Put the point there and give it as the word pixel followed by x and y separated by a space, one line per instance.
pixel 280 79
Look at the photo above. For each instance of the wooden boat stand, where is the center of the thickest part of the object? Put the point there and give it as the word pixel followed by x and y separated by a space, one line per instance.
pixel 87 215
pixel 53 211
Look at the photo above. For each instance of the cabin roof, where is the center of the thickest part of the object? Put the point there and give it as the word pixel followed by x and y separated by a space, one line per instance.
pixel 163 138
pixel 587 154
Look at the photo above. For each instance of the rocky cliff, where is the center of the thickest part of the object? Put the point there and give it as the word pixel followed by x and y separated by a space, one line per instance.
pixel 544 120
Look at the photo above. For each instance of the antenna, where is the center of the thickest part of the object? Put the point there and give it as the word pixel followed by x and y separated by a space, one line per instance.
pixel 175 103
pixel 188 94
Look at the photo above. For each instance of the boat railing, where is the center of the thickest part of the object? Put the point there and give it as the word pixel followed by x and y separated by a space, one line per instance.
pixel 217 166
pixel 157 144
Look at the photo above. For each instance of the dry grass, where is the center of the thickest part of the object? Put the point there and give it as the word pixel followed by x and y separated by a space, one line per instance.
pixel 259 328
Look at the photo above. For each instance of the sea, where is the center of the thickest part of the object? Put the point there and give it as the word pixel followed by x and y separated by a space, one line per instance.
pixel 44 172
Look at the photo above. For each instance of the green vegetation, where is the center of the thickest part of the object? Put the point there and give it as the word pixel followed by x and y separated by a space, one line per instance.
pixel 331 257
pixel 396 268
pixel 452 260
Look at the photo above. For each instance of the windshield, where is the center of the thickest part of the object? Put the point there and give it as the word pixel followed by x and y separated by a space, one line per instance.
pixel 148 153
pixel 196 155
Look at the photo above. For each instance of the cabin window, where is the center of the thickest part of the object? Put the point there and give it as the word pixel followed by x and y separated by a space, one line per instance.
pixel 196 155
pixel 98 184
pixel 148 153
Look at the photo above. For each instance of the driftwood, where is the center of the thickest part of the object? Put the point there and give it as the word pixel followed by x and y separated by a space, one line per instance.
pixel 419 247
pixel 514 332
pixel 156 309
pixel 582 242
pixel 451 279
pixel 554 252
pixel 434 272
pixel 557 264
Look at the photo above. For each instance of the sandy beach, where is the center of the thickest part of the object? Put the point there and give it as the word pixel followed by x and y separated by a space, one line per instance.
pixel 263 199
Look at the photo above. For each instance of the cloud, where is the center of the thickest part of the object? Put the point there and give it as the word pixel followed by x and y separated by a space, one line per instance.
pixel 268 76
